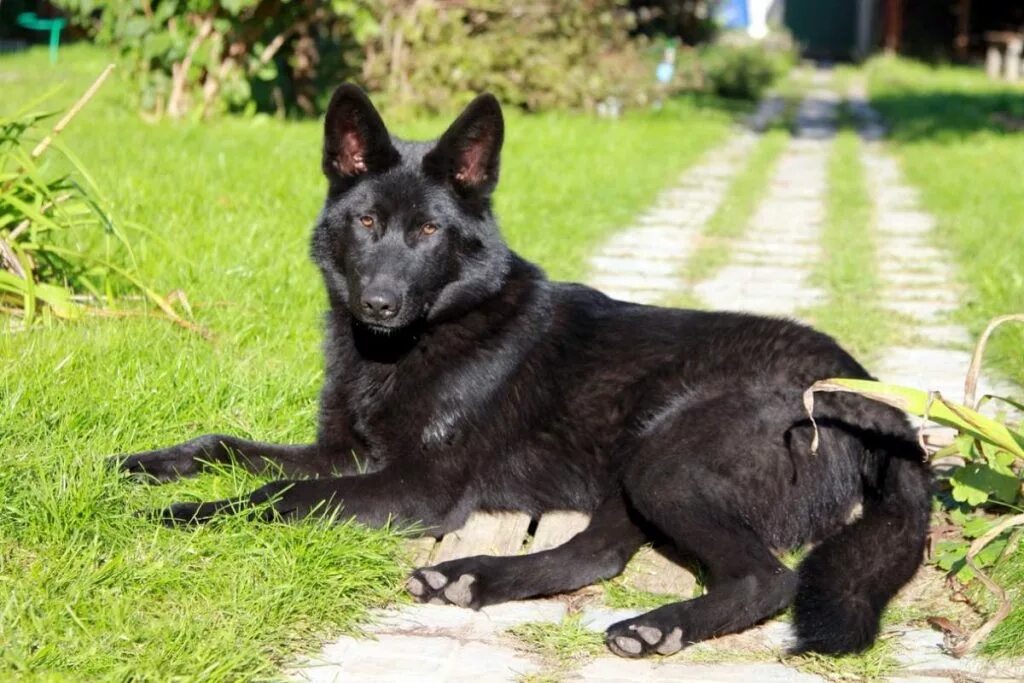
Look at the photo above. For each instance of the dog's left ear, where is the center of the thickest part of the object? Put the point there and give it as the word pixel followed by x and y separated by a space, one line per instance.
pixel 468 153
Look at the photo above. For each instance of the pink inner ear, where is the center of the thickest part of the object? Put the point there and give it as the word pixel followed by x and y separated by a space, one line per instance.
pixel 351 159
pixel 472 163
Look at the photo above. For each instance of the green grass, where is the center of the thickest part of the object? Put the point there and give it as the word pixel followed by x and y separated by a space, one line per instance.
pixel 878 663
pixel 90 591
pixel 1008 638
pixel 847 272
pixel 620 595
pixel 949 129
pixel 733 215
pixel 562 646
pixel 946 130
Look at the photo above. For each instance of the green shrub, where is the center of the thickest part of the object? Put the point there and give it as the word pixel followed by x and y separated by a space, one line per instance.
pixel 539 55
pixel 740 68
pixel 198 57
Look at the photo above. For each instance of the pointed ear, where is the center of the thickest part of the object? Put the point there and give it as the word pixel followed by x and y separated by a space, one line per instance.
pixel 468 153
pixel 356 141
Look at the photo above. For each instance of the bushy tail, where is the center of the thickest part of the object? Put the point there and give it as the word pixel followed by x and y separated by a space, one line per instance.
pixel 846 581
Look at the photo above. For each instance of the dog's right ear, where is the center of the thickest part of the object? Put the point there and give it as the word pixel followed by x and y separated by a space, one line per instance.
pixel 356 142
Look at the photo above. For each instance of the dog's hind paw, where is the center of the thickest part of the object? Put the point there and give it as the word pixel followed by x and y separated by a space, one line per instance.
pixel 433 587
pixel 634 638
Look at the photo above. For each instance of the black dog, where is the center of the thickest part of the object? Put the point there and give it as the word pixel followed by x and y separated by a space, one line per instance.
pixel 458 379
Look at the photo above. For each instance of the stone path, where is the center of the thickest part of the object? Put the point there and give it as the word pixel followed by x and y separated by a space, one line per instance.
pixel 772 262
pixel 919 282
pixel 645 263
pixel 768 273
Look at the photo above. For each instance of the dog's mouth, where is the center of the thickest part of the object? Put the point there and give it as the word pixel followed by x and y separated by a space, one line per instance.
pixel 381 328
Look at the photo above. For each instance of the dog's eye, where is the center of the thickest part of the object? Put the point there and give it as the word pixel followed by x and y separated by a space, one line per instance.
pixel 367 221
pixel 428 228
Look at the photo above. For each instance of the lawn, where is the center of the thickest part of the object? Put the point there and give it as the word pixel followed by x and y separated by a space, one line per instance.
pixel 952 128
pixel 92 591
pixel 959 137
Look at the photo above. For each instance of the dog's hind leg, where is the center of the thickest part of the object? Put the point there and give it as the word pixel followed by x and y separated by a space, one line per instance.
pixel 746 585
pixel 598 552
pixel 694 479
pixel 189 458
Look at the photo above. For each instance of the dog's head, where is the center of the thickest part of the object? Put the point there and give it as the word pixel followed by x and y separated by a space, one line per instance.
pixel 407 235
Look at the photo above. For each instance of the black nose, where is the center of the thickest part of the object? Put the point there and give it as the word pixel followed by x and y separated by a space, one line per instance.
pixel 380 303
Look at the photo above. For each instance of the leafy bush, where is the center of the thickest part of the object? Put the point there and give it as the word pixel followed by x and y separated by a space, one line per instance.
pixel 740 68
pixel 202 56
pixel 983 490
pixel 197 57
pixel 59 245
pixel 538 55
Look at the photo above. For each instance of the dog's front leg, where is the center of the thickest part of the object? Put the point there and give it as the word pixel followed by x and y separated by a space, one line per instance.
pixel 189 458
pixel 377 499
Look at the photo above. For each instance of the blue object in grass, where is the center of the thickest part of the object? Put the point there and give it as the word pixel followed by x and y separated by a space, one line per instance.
pixel 34 22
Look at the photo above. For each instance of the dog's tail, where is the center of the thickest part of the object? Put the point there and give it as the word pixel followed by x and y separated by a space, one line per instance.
pixel 846 581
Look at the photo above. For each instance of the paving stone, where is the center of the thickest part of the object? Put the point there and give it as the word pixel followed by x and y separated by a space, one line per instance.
pixel 947 336
pixel 934 369
pixel 667 284
pixel 555 528
pixel 922 312
pixel 485 534
pixel 926 279
pixel 637 296
pixel 922 652
pixel 600 618
pixel 634 265
pixel 652 572
pixel 668 671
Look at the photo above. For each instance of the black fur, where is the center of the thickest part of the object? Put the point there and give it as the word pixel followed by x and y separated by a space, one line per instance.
pixel 458 379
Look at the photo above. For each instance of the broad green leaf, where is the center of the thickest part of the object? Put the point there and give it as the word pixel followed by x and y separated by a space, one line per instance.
pixel 977 526
pixel 924 404
pixel 974 483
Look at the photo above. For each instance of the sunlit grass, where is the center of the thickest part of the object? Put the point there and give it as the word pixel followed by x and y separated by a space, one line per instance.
pixel 852 312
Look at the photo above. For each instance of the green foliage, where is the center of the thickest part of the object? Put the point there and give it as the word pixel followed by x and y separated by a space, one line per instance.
pixel 61 252
pixel 196 57
pixel 538 55
pixel 743 69
pixel 562 645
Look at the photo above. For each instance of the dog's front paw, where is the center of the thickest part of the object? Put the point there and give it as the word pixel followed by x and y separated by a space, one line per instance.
pixel 441 586
pixel 643 636
pixel 191 514
pixel 160 466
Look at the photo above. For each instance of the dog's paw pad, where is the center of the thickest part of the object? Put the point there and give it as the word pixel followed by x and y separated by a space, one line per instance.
pixel 446 584
pixel 672 643
pixel 638 639
pixel 415 586
pixel 435 580
pixel 461 592
pixel 650 634
pixel 625 646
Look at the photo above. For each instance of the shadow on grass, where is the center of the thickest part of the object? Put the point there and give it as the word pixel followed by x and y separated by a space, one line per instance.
pixel 946 115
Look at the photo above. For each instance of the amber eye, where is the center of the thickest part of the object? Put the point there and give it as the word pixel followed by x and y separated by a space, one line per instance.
pixel 428 228
pixel 367 221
